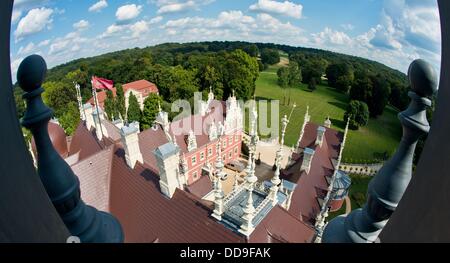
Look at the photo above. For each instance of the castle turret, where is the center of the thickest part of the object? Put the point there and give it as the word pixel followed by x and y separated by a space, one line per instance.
pixel 191 141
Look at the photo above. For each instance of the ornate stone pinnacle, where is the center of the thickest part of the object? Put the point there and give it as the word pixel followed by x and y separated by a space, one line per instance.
pixel 388 186
pixel 61 184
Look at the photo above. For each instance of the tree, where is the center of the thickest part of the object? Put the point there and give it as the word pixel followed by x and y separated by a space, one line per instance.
pixel 312 84
pixel 295 74
pixel 361 88
pixel 358 112
pixel 58 95
pixel 69 120
pixel 380 95
pixel 239 73
pixel 252 50
pixel 120 101
pixel 313 68
pixel 150 111
pixel 110 105
pixel 270 56
pixel 340 76
pixel 283 80
pixel 134 112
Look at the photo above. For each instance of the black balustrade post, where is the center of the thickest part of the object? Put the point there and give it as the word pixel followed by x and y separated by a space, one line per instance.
pixel 388 186
pixel 61 184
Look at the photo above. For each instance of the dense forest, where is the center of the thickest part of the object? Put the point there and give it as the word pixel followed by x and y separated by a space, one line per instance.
pixel 179 70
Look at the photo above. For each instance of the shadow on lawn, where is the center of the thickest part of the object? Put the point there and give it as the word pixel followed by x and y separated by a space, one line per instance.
pixel 338 123
pixel 340 105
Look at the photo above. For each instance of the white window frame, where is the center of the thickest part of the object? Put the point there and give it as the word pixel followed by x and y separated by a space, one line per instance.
pixel 194 160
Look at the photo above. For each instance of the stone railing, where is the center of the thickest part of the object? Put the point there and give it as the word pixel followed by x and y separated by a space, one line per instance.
pixel 231 196
pixel 361 169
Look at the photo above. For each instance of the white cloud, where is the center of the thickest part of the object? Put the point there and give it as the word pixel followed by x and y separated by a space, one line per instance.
pixel 16 14
pixel 156 20
pixel 27 49
pixel 233 25
pixel 80 25
pixel 139 28
pixel 128 12
pixel 44 43
pixel 329 36
pixel 348 27
pixel 35 21
pixel 97 7
pixel 286 8
pixel 14 67
pixel 176 6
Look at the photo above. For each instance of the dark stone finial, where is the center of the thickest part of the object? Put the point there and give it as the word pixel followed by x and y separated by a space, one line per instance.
pixel 61 184
pixel 423 78
pixel 389 184
pixel 31 73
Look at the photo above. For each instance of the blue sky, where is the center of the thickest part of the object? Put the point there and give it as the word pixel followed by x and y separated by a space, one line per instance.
pixel 393 32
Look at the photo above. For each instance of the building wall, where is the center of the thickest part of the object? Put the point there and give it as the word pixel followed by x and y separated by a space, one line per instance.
pixel 231 150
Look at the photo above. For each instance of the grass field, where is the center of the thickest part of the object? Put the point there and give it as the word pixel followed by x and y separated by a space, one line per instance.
pixel 365 145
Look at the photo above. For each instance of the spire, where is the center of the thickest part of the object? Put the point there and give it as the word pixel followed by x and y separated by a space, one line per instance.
pixel 60 182
pixel 389 184
pixel 80 101
pixel 306 119
pixel 218 199
pixel 219 161
pixel 192 141
pixel 249 210
pixel 236 182
pixel 327 122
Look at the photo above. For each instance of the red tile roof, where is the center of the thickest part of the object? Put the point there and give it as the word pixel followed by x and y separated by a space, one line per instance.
pixel 142 86
pixel 147 215
pixel 94 174
pixel 279 226
pixel 304 204
pixel 201 187
pixel 149 140
pixel 84 142
pixel 101 96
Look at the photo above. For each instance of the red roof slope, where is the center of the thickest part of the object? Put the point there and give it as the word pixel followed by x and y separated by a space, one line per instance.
pixel 94 174
pixel 304 204
pixel 84 141
pixel 280 227
pixel 201 187
pixel 101 96
pixel 149 140
pixel 147 215
pixel 142 86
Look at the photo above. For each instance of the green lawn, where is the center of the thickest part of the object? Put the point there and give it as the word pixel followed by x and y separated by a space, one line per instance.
pixel 357 194
pixel 367 144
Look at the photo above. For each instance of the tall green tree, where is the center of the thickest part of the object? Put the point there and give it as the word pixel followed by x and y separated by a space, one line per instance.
pixel 150 110
pixel 270 56
pixel 283 80
pixel 239 73
pixel 362 88
pixel 70 118
pixel 380 95
pixel 110 105
pixel 340 76
pixel 358 112
pixel 134 112
pixel 312 85
pixel 120 102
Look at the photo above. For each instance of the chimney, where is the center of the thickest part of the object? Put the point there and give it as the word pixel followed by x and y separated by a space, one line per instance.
pixel 320 133
pixel 287 188
pixel 137 126
pixel 168 161
pixel 130 141
pixel 308 154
